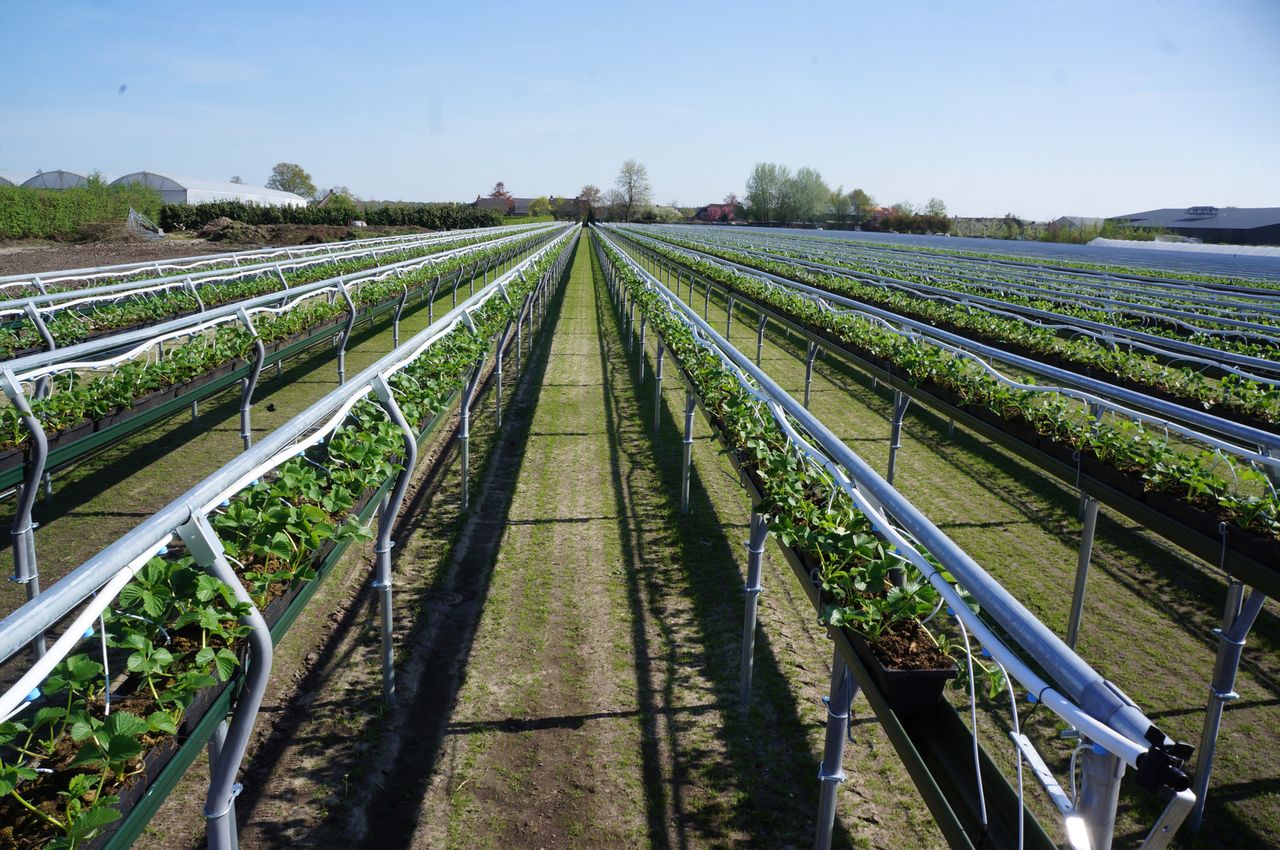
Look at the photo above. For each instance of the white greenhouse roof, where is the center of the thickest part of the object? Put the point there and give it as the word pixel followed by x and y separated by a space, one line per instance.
pixel 212 190
pixel 57 179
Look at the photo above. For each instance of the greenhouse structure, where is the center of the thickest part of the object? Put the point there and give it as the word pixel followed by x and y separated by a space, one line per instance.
pixel 183 190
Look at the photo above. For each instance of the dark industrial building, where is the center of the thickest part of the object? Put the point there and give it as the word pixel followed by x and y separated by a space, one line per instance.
pixel 1233 225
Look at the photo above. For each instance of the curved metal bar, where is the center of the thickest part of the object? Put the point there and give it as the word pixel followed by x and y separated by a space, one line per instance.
pixel 1157 342
pixel 1201 422
pixel 307 428
pixel 1098 698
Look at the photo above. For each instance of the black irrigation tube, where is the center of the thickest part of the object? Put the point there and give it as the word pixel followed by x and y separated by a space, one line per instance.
pixel 1258 566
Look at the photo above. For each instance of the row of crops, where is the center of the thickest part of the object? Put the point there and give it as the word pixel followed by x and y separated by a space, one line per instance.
pixel 119 670
pixel 1196 473
pixel 1155 397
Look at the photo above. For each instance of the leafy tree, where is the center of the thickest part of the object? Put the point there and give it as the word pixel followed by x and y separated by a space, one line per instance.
pixel 540 205
pixel 841 203
pixel 812 196
pixel 730 200
pixel 237 179
pixel 864 206
pixel 633 186
pixel 290 177
pixel 765 189
pixel 935 207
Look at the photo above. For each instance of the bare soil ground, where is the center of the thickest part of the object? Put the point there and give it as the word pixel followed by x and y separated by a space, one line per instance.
pixel 37 255
pixel 28 256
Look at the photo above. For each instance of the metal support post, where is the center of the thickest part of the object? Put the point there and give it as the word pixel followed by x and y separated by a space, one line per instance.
pixel 690 404
pixel 755 555
pixel 497 371
pixel 217 741
pixel 22 532
pixel 346 335
pixel 760 338
pixel 246 393
pixel 831 773
pixel 395 325
pixel 195 410
pixel 1082 569
pixel 457 280
pixel 386 520
pixel 42 384
pixel 728 321
pixel 206 548
pixel 808 371
pixel 657 387
pixel 644 320
pixel 1237 620
pixel 901 401
pixel 1099 795
pixel 464 434
pixel 706 303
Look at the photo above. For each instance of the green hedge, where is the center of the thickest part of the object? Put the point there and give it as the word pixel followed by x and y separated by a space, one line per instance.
pixel 432 216
pixel 55 213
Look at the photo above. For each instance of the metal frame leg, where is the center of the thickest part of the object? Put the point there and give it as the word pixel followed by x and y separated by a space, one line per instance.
pixel 831 773
pixel 753 589
pixel 657 387
pixel 1082 569
pixel 1237 620
pixel 387 514
pixel 643 323
pixel 808 371
pixel 206 548
pixel 464 435
pixel 690 405
pixel 1100 795
pixel 760 338
pixel 901 401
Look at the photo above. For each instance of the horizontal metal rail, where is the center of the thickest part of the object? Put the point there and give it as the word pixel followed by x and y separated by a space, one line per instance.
pixel 1029 267
pixel 45 362
pixel 308 428
pixel 1253 445
pixel 42 280
pixel 1166 347
pixel 48 304
pixel 1073 689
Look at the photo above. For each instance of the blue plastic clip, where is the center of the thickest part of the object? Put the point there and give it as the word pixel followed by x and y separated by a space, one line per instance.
pixel 34 695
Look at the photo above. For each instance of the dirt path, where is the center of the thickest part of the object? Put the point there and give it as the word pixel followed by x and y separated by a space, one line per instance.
pixel 599 703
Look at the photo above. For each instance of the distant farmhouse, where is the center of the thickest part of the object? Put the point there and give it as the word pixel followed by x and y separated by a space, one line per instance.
pixel 517 206
pixel 1233 225
pixel 715 212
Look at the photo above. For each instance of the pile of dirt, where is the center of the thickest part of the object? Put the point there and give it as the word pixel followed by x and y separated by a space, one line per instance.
pixel 228 230
pixel 241 234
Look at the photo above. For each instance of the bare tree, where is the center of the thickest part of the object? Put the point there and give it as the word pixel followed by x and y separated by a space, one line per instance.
pixel 633 185
pixel 500 193
pixel 590 198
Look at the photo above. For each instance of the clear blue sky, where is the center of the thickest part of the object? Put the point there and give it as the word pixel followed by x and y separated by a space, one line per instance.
pixel 1041 109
